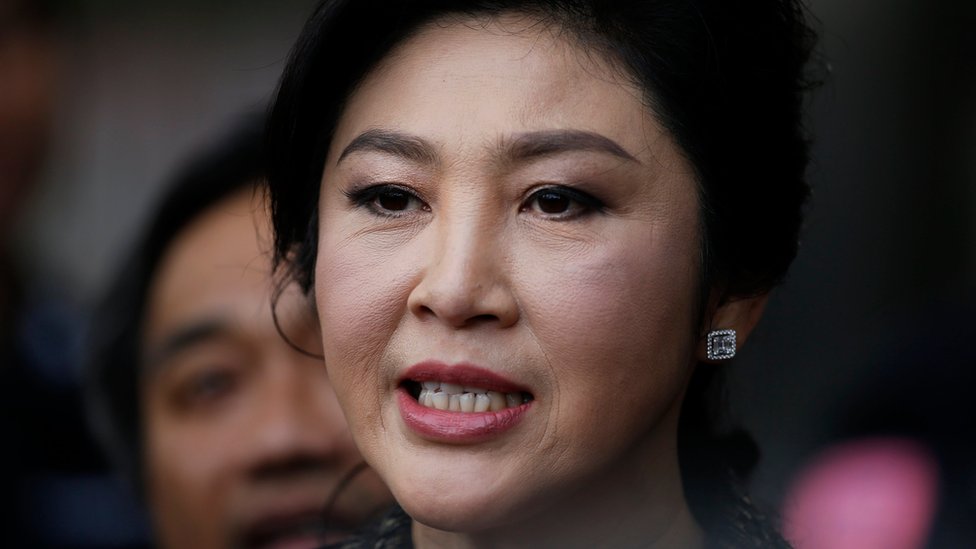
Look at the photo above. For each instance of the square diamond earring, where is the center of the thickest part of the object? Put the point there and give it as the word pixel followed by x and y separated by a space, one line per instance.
pixel 721 344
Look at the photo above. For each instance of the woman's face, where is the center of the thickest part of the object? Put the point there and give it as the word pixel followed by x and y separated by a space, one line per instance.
pixel 504 224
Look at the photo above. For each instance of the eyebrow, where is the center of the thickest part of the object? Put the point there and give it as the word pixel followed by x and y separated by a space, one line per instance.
pixel 396 143
pixel 185 337
pixel 524 146
pixel 537 144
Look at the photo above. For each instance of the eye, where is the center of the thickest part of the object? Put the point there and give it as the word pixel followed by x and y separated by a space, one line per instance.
pixel 394 200
pixel 207 387
pixel 551 202
pixel 561 203
pixel 387 199
pixel 211 385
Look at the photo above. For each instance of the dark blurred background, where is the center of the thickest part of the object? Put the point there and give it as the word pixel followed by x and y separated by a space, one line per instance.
pixel 884 288
pixel 889 250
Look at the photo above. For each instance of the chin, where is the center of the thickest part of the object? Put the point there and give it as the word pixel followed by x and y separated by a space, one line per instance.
pixel 457 514
pixel 470 505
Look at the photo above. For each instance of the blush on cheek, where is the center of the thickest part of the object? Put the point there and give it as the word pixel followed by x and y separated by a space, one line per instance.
pixel 360 298
pixel 631 307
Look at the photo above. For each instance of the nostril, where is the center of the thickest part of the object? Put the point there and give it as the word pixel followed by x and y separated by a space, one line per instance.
pixel 482 319
pixel 464 302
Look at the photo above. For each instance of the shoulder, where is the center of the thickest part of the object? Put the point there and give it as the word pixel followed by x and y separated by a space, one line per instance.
pixel 744 525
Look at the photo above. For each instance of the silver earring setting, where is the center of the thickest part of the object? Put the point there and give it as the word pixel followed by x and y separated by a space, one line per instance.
pixel 720 344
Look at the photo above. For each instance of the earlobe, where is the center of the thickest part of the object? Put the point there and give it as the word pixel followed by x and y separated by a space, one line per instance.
pixel 728 326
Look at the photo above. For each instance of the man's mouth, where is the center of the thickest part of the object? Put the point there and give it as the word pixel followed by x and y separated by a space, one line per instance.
pixel 300 531
pixel 441 395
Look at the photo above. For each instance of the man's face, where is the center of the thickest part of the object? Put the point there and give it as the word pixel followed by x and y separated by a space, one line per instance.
pixel 245 443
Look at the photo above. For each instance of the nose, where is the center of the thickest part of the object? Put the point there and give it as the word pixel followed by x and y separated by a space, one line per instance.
pixel 465 280
pixel 297 426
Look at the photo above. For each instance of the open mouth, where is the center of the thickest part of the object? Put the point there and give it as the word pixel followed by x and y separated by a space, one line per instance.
pixel 440 395
pixel 460 403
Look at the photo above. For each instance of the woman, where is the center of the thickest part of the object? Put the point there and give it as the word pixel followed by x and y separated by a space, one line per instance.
pixel 531 231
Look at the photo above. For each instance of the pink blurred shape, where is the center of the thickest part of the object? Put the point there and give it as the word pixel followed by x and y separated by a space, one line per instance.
pixel 875 493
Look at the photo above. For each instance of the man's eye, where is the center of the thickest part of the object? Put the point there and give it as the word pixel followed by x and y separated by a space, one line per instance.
pixel 207 387
pixel 561 203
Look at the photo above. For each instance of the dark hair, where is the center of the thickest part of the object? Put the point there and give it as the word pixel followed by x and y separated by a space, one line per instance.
pixel 113 373
pixel 725 78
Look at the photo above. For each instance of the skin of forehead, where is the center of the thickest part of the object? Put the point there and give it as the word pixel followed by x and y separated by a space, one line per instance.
pixel 232 237
pixel 554 86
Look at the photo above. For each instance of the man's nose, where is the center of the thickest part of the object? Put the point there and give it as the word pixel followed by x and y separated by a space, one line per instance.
pixel 297 424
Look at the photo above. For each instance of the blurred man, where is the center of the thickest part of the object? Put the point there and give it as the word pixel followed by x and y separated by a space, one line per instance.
pixel 223 413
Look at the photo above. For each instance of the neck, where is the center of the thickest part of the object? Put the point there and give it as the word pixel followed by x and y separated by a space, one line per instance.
pixel 638 502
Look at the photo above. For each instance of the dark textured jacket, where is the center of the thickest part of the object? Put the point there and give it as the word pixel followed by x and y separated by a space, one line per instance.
pixel 393 531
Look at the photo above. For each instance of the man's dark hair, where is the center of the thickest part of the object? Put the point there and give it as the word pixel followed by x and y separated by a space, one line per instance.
pixel 113 372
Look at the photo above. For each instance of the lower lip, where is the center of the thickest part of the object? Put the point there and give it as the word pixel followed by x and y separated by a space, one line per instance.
pixel 457 427
pixel 304 542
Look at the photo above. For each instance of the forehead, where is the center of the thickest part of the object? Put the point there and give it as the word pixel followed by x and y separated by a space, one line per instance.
pixel 455 77
pixel 217 266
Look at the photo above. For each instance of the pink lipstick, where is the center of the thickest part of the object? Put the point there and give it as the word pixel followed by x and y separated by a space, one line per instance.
pixel 461 403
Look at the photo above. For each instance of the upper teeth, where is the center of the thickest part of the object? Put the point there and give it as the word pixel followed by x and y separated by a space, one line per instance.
pixel 458 398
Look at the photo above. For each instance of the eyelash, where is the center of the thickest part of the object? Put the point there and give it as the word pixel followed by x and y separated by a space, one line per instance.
pixel 367 196
pixel 207 387
pixel 586 202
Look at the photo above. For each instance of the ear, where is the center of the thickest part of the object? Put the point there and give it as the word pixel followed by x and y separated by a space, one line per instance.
pixel 740 314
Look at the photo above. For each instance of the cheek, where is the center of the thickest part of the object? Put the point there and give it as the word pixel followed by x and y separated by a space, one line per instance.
pixel 182 475
pixel 360 295
pixel 183 460
pixel 355 289
pixel 616 325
